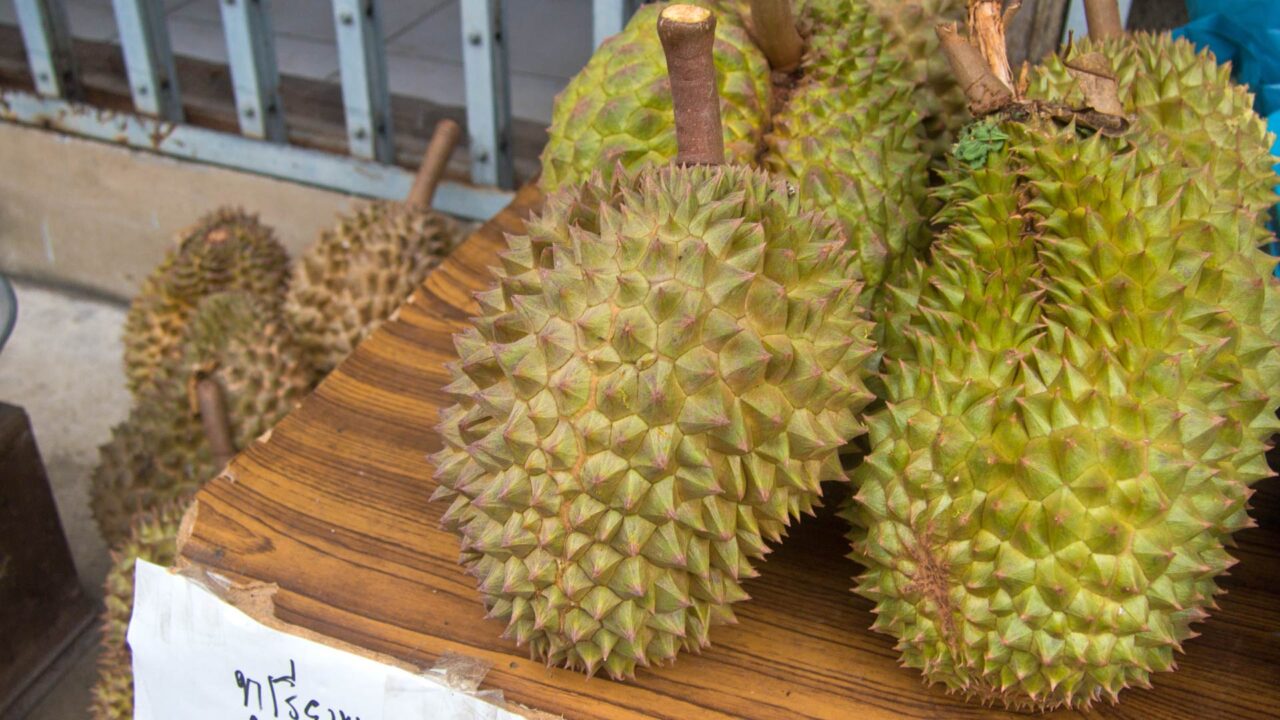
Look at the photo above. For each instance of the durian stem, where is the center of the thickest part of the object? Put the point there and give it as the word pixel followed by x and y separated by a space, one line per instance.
pixel 443 140
pixel 688 34
pixel 986 30
pixel 985 92
pixel 1103 18
pixel 213 416
pixel 774 28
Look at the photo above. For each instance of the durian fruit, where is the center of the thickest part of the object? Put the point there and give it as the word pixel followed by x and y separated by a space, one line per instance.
pixel 1079 391
pixel 1184 99
pixel 939 100
pixel 617 109
pixel 239 343
pixel 153 538
pixel 659 382
pixel 361 271
pixel 154 456
pixel 849 137
pixel 227 249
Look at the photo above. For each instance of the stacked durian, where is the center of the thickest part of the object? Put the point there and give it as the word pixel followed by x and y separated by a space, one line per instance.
pixel 210 311
pixel 220 346
pixel 831 104
pixel 1077 352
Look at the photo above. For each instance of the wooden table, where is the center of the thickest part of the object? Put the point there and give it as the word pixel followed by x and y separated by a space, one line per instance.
pixel 333 508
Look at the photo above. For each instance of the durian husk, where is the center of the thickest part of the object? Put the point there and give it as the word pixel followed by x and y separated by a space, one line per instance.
pixel 1080 387
pixel 938 99
pixel 850 137
pixel 228 249
pixel 657 385
pixel 1184 100
pixel 155 455
pixel 152 537
pixel 359 273
pixel 617 110
pixel 160 451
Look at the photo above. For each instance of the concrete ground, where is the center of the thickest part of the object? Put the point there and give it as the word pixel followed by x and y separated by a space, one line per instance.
pixel 63 365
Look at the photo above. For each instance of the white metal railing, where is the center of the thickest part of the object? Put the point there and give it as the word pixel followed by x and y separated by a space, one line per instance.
pixel 157 123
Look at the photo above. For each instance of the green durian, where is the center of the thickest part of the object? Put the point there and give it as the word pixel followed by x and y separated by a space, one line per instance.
pixel 359 273
pixel 617 109
pixel 1187 103
pixel 657 384
pixel 1079 392
pixel 227 249
pixel 938 99
pixel 152 537
pixel 161 451
pixel 849 136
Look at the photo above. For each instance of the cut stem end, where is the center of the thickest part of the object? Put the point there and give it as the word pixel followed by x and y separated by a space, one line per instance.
pixel 688 34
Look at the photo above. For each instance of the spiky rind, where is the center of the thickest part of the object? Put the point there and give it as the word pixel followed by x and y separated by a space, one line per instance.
pixel 658 383
pixel 1185 101
pixel 938 100
pixel 161 451
pixel 1079 393
pixel 617 110
pixel 359 273
pixel 154 456
pixel 152 537
pixel 849 138
pixel 227 249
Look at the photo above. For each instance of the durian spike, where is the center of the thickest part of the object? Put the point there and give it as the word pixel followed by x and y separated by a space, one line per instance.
pixel 213 416
pixel 773 26
pixel 443 140
pixel 1103 19
pixel 987 20
pixel 688 34
pixel 984 90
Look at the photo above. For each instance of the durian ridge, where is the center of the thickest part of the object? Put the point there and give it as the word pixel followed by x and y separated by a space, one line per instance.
pixel 849 136
pixel 227 249
pixel 357 274
pixel 658 384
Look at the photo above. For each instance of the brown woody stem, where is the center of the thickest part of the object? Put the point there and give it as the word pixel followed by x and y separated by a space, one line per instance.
pixel 986 31
pixel 213 416
pixel 688 34
pixel 774 28
pixel 443 140
pixel 985 92
pixel 1103 17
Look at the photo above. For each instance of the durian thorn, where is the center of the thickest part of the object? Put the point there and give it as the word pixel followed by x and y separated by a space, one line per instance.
pixel 773 26
pixel 1103 19
pixel 213 416
pixel 688 35
pixel 985 92
pixel 443 140
pixel 987 20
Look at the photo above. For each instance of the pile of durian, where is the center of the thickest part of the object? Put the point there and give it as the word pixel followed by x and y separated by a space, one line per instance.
pixel 771 230
pixel 222 341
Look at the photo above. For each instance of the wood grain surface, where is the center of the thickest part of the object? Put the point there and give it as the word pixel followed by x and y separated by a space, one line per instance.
pixel 333 508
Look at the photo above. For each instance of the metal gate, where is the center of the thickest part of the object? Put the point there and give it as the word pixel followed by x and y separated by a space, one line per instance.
pixel 157 123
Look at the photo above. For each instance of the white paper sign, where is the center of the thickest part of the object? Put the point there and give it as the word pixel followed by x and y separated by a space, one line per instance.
pixel 198 658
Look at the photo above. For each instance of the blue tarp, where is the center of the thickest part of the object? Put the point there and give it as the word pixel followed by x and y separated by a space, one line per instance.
pixel 1245 33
